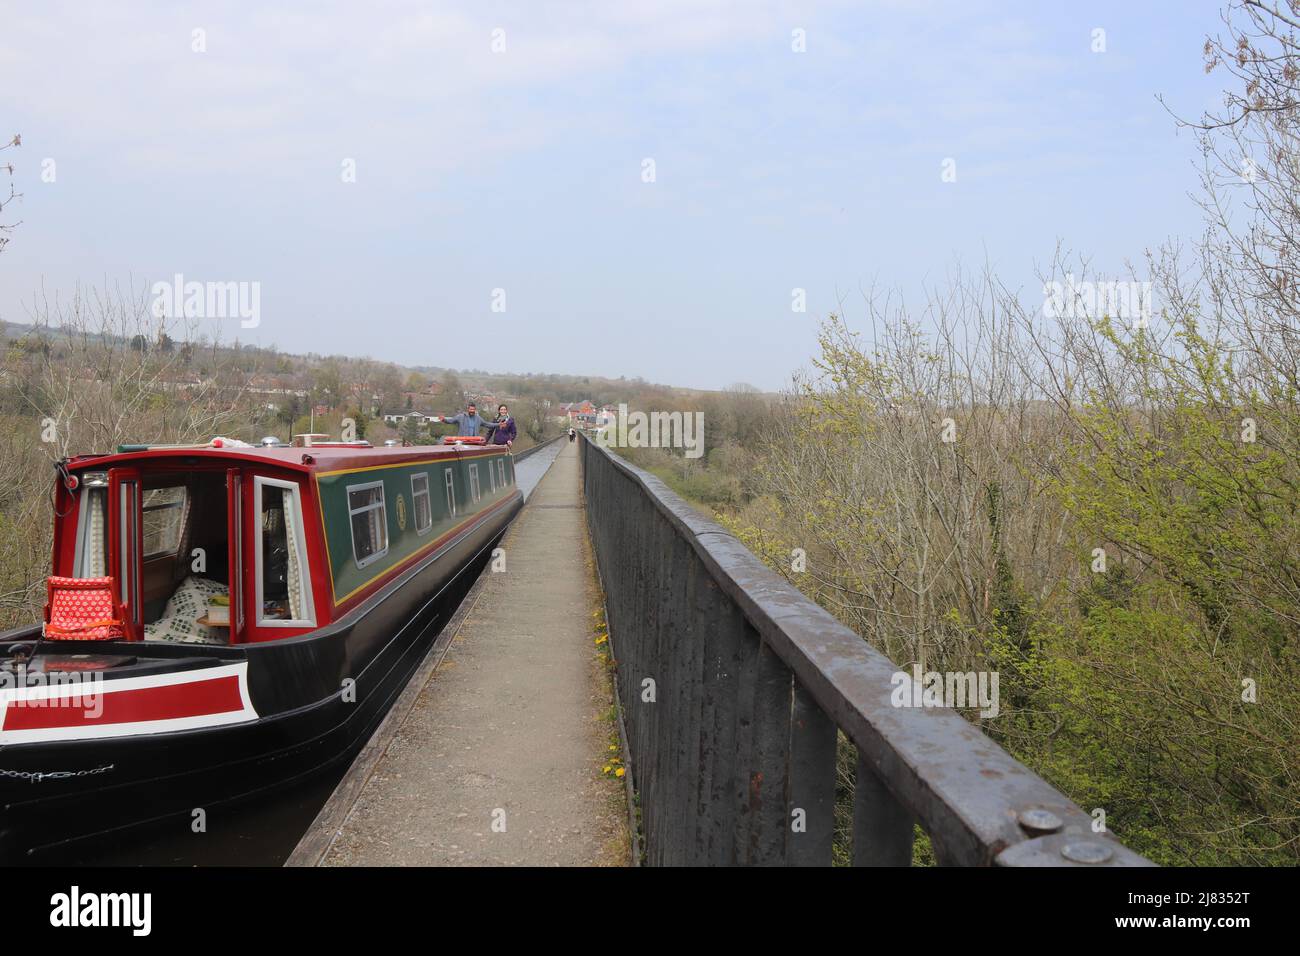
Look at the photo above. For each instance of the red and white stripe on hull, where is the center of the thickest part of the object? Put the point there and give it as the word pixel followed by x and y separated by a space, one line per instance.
pixel 154 704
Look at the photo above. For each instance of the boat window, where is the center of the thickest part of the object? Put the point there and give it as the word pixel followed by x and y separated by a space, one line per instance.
pixel 420 502
pixel 492 477
pixel 501 467
pixel 283 583
pixel 369 520
pixel 92 539
pixel 473 483
pixel 164 519
pixel 451 494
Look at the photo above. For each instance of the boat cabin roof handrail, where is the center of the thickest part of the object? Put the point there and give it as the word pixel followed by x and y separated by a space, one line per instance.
pixel 304 459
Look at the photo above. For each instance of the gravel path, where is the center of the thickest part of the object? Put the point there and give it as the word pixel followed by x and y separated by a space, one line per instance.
pixel 499 763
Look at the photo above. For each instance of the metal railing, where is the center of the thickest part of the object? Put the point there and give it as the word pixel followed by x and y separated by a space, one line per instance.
pixel 735 687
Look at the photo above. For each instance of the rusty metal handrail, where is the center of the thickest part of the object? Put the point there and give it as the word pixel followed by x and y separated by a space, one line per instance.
pixel 734 685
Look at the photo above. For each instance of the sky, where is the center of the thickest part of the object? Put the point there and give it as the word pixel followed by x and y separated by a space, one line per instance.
pixel 603 188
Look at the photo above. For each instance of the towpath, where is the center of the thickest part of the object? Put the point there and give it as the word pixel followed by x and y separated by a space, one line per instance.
pixel 502 758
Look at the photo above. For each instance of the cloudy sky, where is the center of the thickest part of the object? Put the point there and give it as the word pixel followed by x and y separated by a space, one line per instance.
pixel 504 146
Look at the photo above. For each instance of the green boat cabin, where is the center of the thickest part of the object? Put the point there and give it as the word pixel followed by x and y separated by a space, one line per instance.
pixel 231 543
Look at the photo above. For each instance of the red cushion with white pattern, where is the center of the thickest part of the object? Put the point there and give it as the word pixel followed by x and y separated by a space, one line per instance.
pixel 82 609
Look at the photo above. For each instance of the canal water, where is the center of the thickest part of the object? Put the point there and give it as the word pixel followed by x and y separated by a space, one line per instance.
pixel 265 832
pixel 529 471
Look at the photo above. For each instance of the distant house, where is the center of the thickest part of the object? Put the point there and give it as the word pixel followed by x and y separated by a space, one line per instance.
pixel 179 381
pixel 273 385
pixel 578 413
pixel 398 418
pixel 425 400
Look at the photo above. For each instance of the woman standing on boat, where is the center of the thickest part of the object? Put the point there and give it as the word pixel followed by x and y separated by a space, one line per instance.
pixel 504 430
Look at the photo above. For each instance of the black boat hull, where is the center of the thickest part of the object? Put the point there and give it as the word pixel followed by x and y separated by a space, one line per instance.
pixel 318 697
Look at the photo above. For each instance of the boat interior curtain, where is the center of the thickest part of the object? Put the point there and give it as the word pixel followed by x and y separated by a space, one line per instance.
pixel 291 532
pixel 181 569
pixel 95 550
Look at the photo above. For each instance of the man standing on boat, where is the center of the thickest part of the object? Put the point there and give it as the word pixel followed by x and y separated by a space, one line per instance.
pixel 467 422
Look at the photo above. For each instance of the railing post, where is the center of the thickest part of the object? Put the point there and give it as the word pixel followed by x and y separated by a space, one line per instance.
pixel 694 765
pixel 723 630
pixel 811 783
pixel 678 699
pixel 769 751
pixel 882 827
pixel 629 581
pixel 743 716
pixel 648 667
pixel 659 640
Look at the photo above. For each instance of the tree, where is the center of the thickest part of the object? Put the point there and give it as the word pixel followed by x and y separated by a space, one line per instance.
pixel 327 384
pixel 8 168
pixel 453 392
pixel 412 432
pixel 538 409
pixel 1250 261
pixel 388 385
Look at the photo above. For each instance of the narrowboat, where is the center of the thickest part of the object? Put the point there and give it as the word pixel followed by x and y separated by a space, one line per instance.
pixel 226 619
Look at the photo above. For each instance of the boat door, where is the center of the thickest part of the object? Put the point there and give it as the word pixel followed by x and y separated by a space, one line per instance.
pixel 126 544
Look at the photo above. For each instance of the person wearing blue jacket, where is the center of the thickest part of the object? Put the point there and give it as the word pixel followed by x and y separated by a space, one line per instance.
pixel 467 422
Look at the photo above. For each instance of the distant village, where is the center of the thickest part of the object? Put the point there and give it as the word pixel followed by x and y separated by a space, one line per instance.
pixel 274 394
pixel 284 397
pixel 567 414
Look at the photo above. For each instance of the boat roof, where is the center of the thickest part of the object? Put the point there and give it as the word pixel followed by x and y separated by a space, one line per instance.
pixel 308 459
